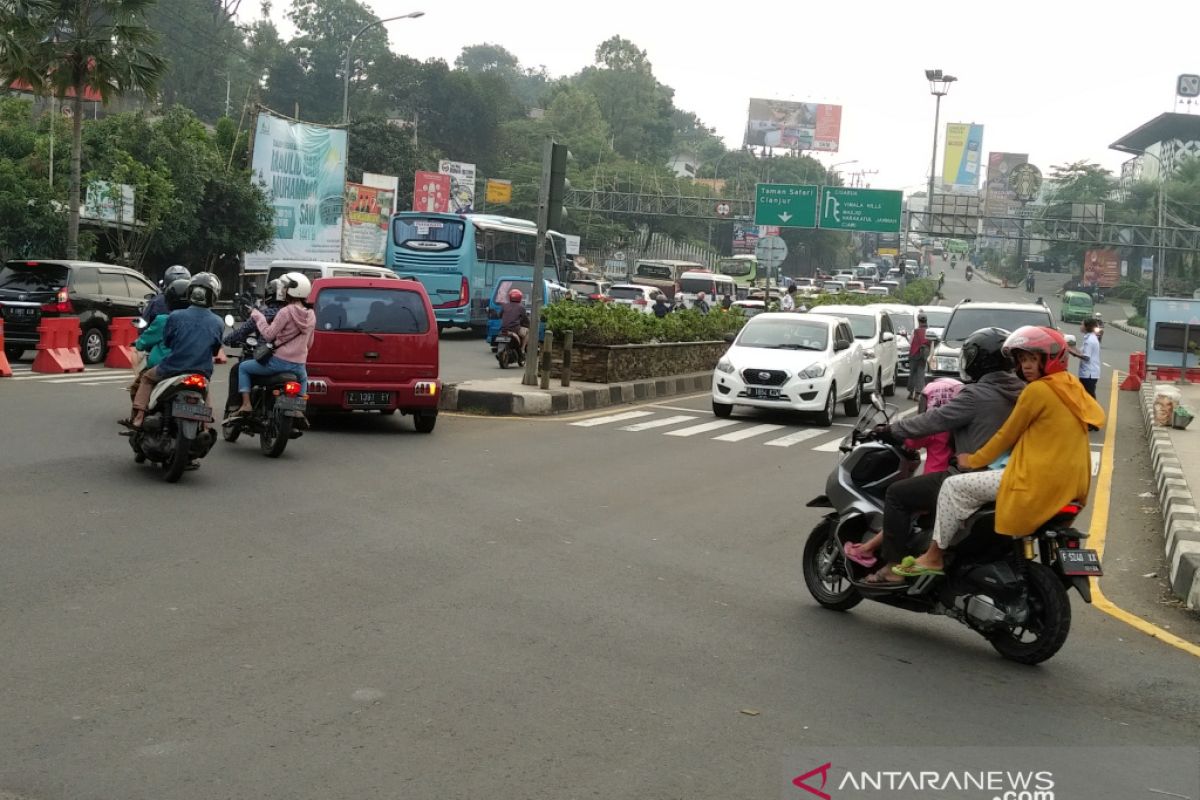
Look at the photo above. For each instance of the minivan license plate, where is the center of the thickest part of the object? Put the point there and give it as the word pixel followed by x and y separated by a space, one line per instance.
pixel 368 399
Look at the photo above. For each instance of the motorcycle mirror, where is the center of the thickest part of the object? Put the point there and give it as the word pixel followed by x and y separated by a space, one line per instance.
pixel 877 401
pixel 140 323
pixel 229 320
pixel 252 341
pixel 1071 340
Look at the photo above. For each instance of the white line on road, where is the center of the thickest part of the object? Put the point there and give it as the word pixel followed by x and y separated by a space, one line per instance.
pixel 747 433
pixel 705 428
pixel 45 376
pixel 658 423
pixel 830 446
pixel 795 438
pixel 1095 463
pixel 103 378
pixel 589 423
pixel 677 408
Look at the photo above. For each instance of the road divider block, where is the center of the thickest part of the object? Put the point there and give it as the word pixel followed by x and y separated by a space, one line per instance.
pixel 5 367
pixel 58 346
pixel 121 336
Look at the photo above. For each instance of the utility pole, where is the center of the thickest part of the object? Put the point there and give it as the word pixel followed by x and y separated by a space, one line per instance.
pixel 539 261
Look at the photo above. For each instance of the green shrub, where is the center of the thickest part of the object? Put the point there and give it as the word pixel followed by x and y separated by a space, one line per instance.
pixel 609 323
pixel 920 293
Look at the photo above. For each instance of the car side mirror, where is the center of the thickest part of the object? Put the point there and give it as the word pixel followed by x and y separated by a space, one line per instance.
pixel 1071 340
pixel 729 337
pixel 904 331
pixel 933 338
pixel 887 337
pixel 140 323
pixel 229 320
pixel 841 344
pixel 149 296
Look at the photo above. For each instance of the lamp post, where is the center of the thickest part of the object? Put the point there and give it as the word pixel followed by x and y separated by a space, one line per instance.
pixel 939 87
pixel 350 49
pixel 833 169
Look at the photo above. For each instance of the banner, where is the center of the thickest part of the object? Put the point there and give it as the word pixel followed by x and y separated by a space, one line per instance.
pixel 431 192
pixel 960 166
pixel 462 185
pixel 304 169
pixel 1000 200
pixel 109 202
pixel 1101 268
pixel 365 223
pixel 794 126
pixel 499 191
pixel 389 182
pixel 747 234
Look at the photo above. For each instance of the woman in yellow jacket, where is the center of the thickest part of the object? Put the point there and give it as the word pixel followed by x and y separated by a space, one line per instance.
pixel 1050 463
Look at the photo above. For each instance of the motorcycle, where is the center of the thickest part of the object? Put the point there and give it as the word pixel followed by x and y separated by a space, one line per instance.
pixel 508 349
pixel 969 275
pixel 1099 326
pixel 174 431
pixel 277 404
pixel 1012 591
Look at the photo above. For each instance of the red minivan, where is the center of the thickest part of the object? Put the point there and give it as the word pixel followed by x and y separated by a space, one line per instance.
pixel 375 349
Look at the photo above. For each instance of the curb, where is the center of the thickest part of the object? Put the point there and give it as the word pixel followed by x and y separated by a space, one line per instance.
pixel 476 397
pixel 1181 521
pixel 1123 325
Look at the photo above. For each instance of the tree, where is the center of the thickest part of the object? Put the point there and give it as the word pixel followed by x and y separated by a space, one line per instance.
pixel 67 47
pixel 29 205
pixel 637 108
pixel 478 58
pixel 206 54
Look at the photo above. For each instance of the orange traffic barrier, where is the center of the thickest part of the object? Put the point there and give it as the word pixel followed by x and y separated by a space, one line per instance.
pixel 1137 365
pixel 121 336
pixel 58 346
pixel 5 369
pixel 1133 381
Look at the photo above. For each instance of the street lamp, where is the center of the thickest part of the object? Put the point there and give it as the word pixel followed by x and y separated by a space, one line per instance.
pixel 350 49
pixel 833 169
pixel 1160 267
pixel 939 87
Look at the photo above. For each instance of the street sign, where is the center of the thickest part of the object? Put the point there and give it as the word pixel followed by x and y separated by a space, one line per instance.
pixel 771 251
pixel 1188 86
pixel 847 209
pixel 724 209
pixel 788 205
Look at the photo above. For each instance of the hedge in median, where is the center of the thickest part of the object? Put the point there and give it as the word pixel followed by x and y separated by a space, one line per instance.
pixel 610 323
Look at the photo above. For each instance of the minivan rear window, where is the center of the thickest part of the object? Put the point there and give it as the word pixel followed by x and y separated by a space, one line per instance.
pixel 18 276
pixel 693 285
pixel 312 273
pixel 371 311
pixel 442 234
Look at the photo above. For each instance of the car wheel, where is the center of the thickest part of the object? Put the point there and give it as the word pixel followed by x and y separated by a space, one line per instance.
pixel 425 420
pixel 93 345
pixel 722 410
pixel 825 418
pixel 852 405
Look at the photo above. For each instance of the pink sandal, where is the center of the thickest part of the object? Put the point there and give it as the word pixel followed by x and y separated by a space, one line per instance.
pixel 854 552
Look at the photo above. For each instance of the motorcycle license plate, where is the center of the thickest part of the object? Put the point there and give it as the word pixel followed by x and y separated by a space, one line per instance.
pixel 182 409
pixel 368 399
pixel 290 404
pixel 771 394
pixel 1080 562
pixel 503 339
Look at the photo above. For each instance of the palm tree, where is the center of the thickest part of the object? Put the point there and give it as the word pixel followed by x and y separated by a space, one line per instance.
pixel 65 48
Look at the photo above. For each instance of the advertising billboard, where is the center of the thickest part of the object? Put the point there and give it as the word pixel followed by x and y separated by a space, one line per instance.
pixel 304 169
pixel 462 185
pixel 431 192
pixel 1101 268
pixel 110 202
pixel 365 223
pixel 794 126
pixel 1001 200
pixel 962 156
pixel 747 234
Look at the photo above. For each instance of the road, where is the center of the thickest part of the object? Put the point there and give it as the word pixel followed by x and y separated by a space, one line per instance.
pixel 505 608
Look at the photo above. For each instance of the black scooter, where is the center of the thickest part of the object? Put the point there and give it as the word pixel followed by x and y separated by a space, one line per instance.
pixel 1012 591
pixel 508 349
pixel 278 409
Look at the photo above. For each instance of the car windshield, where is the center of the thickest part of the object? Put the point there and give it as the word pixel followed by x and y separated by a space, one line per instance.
pixel 735 267
pixel 784 334
pixel 654 271
pixel 21 277
pixel 936 319
pixel 585 287
pixel 371 311
pixel 863 325
pixel 966 320
pixel 504 287
pixel 626 293
pixel 694 285
pixel 902 320
pixel 312 273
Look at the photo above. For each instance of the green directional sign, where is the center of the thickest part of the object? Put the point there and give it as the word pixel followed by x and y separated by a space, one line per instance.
pixel 788 205
pixel 846 209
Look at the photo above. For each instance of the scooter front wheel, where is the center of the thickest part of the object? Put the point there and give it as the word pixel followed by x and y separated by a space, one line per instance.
pixel 825 571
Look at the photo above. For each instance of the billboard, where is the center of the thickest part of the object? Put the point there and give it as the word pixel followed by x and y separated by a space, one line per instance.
pixel 1001 200
pixel 747 234
pixel 794 126
pixel 304 169
pixel 462 185
pixel 365 223
pixel 1101 268
pixel 961 158
pixel 109 202
pixel 431 192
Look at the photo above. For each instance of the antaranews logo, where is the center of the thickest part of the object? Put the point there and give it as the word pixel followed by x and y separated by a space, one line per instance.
pixel 823 771
pixel 995 784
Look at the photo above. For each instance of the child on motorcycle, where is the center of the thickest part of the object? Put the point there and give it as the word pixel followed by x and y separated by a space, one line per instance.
pixel 1050 463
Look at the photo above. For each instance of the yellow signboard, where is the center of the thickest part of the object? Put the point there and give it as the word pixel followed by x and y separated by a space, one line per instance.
pixel 888 251
pixel 499 191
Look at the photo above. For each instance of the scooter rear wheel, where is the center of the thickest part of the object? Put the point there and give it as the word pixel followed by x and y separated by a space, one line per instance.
pixel 824 571
pixel 1047 632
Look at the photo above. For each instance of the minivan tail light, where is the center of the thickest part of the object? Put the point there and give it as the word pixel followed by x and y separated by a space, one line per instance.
pixel 425 389
pixel 464 296
pixel 61 304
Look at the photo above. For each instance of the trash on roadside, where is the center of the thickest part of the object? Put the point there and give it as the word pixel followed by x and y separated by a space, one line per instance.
pixel 751 712
pixel 1166 400
pixel 1182 418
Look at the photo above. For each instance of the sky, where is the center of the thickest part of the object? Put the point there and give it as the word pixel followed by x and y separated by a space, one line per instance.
pixel 1057 79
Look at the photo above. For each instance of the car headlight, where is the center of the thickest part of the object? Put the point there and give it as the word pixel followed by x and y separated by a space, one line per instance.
pixel 945 364
pixel 812 371
pixel 724 365
pixel 868 353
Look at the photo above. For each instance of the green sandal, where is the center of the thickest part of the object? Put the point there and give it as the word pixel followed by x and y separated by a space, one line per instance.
pixel 909 568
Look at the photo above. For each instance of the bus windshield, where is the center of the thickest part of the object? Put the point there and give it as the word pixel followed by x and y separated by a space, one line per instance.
pixel 736 267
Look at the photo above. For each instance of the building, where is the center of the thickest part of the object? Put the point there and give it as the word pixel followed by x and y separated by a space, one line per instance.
pixel 1162 144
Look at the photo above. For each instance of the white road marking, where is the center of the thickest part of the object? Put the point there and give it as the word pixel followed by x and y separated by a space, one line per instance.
pixel 590 423
pixel 747 433
pixel 658 423
pixel 705 428
pixel 1095 463
pixel 677 408
pixel 795 438
pixel 102 378
pixel 830 446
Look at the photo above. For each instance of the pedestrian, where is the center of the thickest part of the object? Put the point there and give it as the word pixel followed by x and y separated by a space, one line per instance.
pixel 918 354
pixel 661 307
pixel 1089 357
pixel 788 301
pixel 701 303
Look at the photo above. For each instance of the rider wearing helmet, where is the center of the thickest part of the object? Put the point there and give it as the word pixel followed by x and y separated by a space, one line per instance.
pixel 291 331
pixel 151 340
pixel 513 316
pixel 237 337
pixel 193 337
pixel 1043 446
pixel 987 397
pixel 158 305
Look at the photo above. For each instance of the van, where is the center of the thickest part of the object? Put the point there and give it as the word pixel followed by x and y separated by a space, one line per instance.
pixel 715 286
pixel 375 348
pixel 662 274
pixel 551 293
pixel 314 270
pixel 1076 307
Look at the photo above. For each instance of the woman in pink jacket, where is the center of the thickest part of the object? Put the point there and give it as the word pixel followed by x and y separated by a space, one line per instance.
pixel 292 333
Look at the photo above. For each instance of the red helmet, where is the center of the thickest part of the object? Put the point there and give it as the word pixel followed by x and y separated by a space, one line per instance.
pixel 515 296
pixel 1046 342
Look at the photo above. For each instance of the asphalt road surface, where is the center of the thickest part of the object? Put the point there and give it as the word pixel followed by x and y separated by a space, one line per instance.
pixel 503 608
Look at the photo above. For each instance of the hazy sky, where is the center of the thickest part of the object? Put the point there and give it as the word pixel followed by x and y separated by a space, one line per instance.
pixel 1058 79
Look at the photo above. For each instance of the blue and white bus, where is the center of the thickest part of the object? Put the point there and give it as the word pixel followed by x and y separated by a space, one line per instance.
pixel 457 258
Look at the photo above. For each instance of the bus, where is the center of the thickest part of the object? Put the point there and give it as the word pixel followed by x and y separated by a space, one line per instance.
pixel 743 269
pixel 457 258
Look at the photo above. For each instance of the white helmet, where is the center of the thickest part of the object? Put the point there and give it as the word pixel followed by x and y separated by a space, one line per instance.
pixel 294 286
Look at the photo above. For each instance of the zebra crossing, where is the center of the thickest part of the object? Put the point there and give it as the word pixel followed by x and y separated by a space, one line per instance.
pixel 700 425
pixel 23 374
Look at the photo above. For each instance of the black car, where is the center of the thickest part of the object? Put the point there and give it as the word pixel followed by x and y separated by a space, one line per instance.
pixel 95 293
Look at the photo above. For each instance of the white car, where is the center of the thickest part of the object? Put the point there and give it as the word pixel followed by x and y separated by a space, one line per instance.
pixel 873 329
pixel 640 298
pixel 881 291
pixel 795 362
pixel 834 287
pixel 936 318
